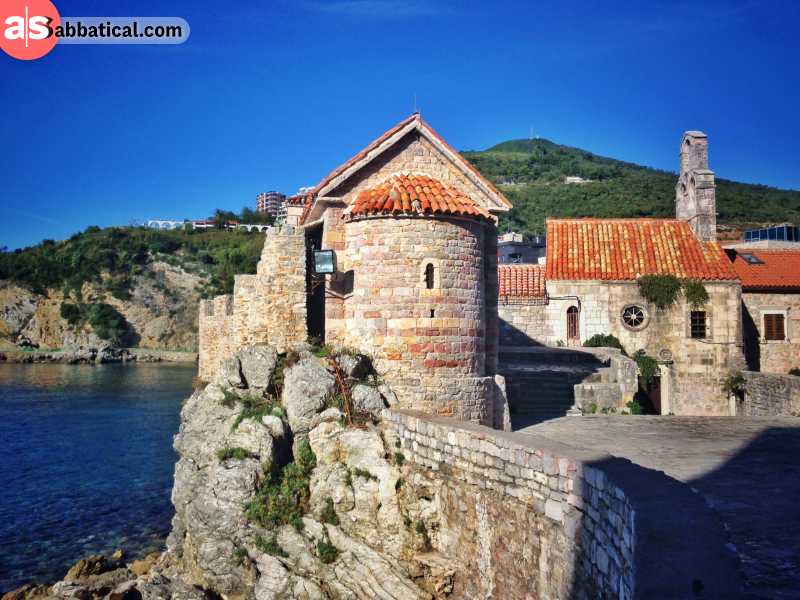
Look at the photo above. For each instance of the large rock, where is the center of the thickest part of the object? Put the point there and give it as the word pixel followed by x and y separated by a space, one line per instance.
pixel 306 388
pixel 231 373
pixel 257 365
pixel 367 398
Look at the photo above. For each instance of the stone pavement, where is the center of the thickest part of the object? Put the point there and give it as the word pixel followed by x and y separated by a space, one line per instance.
pixel 746 468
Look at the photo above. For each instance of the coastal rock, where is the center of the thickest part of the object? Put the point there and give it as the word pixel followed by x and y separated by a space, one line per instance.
pixel 94 564
pixel 307 386
pixel 29 591
pixel 257 365
pixel 354 366
pixel 231 373
pixel 367 398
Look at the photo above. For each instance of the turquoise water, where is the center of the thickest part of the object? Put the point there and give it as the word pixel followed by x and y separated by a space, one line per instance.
pixel 86 463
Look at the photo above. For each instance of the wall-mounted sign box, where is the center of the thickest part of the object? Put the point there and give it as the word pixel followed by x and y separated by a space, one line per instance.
pixel 324 262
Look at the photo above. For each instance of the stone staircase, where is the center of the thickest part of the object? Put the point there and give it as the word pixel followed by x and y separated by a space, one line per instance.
pixel 541 381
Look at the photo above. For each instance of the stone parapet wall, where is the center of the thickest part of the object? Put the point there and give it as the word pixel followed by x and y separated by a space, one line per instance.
pixel 266 308
pixel 770 395
pixel 533 518
pixel 583 519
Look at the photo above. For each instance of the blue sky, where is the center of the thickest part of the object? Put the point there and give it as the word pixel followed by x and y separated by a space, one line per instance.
pixel 273 95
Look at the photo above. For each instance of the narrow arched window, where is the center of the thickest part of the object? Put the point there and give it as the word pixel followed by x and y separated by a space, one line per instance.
pixel 573 332
pixel 429 276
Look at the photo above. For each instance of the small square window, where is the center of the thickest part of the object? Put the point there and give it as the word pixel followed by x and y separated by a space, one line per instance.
pixel 774 327
pixel 698 324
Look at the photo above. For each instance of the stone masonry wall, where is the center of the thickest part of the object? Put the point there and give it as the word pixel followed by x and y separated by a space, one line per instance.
pixel 214 334
pixel 770 395
pixel 771 356
pixel 694 369
pixel 429 344
pixel 266 308
pixel 531 518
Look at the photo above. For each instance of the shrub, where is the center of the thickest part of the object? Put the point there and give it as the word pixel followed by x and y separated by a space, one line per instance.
pixel 106 321
pixel 328 514
pixel 254 407
pixel 235 453
pixel 270 546
pixel 635 408
pixel 605 340
pixel 239 556
pixel 399 459
pixel 795 371
pixel 734 383
pixel 364 474
pixel 326 551
pixel 71 312
pixel 648 367
pixel 282 498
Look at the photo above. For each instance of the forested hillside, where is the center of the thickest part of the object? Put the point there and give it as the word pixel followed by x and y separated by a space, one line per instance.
pixel 531 173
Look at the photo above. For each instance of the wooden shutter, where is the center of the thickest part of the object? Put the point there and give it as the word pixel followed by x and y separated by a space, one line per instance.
pixel 774 327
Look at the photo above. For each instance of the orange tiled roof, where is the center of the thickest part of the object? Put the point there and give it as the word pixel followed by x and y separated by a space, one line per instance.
pixel 523 281
pixel 398 194
pixel 780 269
pixel 626 249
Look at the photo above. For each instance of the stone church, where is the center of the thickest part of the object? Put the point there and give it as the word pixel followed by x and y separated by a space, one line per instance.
pixel 413 275
pixel 588 286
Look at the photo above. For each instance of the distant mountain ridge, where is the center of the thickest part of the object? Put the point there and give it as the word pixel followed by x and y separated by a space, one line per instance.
pixel 532 173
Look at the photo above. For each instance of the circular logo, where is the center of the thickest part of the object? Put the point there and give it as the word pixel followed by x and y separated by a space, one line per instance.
pixel 27 28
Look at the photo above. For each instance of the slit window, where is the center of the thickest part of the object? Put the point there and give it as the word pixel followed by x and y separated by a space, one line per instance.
pixel 697 321
pixel 774 327
pixel 429 276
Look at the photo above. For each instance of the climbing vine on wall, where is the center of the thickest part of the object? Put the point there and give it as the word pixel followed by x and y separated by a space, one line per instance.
pixel 648 367
pixel 695 292
pixel 663 290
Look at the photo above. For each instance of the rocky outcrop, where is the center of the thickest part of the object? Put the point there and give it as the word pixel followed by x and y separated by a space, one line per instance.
pixel 357 537
pixel 161 312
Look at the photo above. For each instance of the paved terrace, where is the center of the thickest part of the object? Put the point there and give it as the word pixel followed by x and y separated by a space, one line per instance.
pixel 747 469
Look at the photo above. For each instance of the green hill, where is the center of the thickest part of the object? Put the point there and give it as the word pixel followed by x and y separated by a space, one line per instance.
pixel 531 174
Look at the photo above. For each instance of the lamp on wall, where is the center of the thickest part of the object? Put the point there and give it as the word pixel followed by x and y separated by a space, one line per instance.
pixel 324 262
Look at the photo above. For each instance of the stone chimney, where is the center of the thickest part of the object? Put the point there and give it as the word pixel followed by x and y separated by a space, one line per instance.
pixel 695 192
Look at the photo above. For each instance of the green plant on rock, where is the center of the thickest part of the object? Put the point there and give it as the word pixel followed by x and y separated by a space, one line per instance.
pixel 364 474
pixel 326 551
pixel 240 555
pixel 270 546
pixel 605 340
pixel 254 407
pixel 648 367
pixel 282 498
pixel 399 459
pixel 795 371
pixel 328 514
pixel 235 453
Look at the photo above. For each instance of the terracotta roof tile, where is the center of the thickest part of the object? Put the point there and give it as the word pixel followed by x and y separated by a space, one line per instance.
pixel 779 269
pixel 399 193
pixel 626 249
pixel 522 281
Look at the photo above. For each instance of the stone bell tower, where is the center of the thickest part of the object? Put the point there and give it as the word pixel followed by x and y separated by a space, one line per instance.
pixel 695 192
